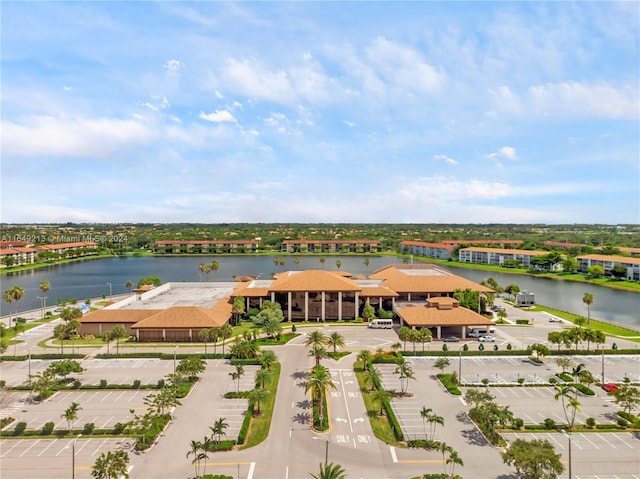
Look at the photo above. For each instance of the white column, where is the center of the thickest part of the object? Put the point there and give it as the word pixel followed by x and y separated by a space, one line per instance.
pixel 289 306
pixel 357 305
pixel 439 331
pixel 306 305
pixel 323 310
pixel 340 306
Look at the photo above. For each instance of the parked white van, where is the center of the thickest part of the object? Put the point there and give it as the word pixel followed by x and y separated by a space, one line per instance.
pixel 481 331
pixel 381 324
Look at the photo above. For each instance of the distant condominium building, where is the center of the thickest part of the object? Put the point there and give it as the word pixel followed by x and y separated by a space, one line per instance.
pixel 608 262
pixel 23 255
pixel 205 246
pixel 497 256
pixel 330 246
pixel 429 250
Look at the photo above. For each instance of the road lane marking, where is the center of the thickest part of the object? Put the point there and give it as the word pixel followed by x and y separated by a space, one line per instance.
pixel 394 458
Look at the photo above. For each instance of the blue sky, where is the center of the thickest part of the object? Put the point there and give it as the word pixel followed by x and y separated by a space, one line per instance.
pixel 320 112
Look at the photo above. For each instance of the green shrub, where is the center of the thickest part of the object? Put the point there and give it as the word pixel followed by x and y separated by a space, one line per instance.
pixel 88 428
pixel 21 426
pixel 136 384
pixel 103 384
pixel 591 422
pixel 518 423
pixel 621 422
pixel 549 423
pixel 119 428
pixel 47 429
pixel 447 381
pixel 76 384
pixel 160 384
pixel 509 347
pixel 3 383
pixel 522 321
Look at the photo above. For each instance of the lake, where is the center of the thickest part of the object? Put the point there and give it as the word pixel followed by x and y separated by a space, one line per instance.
pixel 87 279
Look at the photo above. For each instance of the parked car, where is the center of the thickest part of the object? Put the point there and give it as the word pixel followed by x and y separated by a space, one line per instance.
pixel 487 339
pixel 609 387
pixel 451 339
pixel 554 319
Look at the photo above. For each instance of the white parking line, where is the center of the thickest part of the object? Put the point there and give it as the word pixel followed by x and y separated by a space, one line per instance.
pixel 29 448
pixel 552 437
pixel 11 448
pixel 99 447
pixel 623 441
pixel 582 435
pixel 51 443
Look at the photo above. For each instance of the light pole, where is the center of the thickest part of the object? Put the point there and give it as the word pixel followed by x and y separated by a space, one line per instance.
pixel 568 434
pixel 174 359
pixel 110 293
pixel 73 457
pixel 29 368
pixel 602 366
pixel 460 365
pixel 43 304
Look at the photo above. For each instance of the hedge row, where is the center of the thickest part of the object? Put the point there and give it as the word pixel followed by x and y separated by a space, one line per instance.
pixel 25 357
pixel 391 416
pixel 445 379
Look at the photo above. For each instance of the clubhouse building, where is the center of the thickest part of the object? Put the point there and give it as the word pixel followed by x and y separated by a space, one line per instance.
pixel 420 296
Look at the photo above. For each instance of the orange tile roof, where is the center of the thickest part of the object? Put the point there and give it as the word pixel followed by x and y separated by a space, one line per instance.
pixel 188 317
pixel 248 289
pixel 446 282
pixel 610 258
pixel 379 291
pixel 313 280
pixel 430 245
pixel 524 252
pixel 330 241
pixel 118 315
pixel 422 316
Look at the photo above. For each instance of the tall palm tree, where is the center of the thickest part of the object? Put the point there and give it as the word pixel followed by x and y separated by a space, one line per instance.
pixel 219 429
pixel 454 460
pixel 205 336
pixel 129 286
pixel 366 264
pixel 316 337
pixel 267 359
pixel 296 260
pixel 60 333
pixel 258 396
pixel 111 465
pixel 330 471
pixel 214 266
pixel 381 396
pixel 45 286
pixel 335 340
pixel 444 448
pixel 425 413
pixel 318 352
pixel 405 371
pixel 236 375
pixel 404 334
pixel 318 383
pixel 338 264
pixel 564 392
pixel 118 333
pixel 365 357
pixel 197 453
pixel 71 414
pixel 226 331
pixel 588 300
pixel 372 377
pixel 204 268
pixel 262 377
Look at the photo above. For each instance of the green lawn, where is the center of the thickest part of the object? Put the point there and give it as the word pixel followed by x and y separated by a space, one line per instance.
pixel 379 424
pixel 259 428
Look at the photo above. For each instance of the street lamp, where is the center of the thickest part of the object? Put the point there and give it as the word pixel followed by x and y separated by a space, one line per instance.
pixel 73 456
pixel 568 434
pixel 43 304
pixel 110 293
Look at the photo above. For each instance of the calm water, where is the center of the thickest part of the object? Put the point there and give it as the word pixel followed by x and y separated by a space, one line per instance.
pixel 89 279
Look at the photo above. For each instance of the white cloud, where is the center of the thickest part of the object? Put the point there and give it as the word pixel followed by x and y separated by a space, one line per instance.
pixel 218 116
pixel 448 160
pixel 46 135
pixel 585 100
pixel 256 80
pixel 173 66
pixel 508 152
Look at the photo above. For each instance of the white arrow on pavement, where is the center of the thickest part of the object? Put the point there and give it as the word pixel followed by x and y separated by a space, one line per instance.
pixel 339 419
pixel 348 382
pixel 358 419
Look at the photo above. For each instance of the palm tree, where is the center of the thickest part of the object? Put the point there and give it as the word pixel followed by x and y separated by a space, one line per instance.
pixel 424 336
pixel 335 340
pixel 267 359
pixel 322 260
pixel 406 372
pixel 425 414
pixel 434 420
pixel 564 393
pixel 404 334
pixel 330 471
pixel 366 264
pixel 204 268
pixel 236 375
pixel 372 377
pixel 226 331
pixel 204 335
pixel 45 286
pixel 444 448
pixel 218 429
pixel 262 377
pixel 272 327
pixel 316 337
pixel 257 396
pixel 106 338
pixel 197 453
pixel 296 260
pixel 214 266
pixel 338 263
pixel 71 414
pixel 318 383
pixel 454 460
pixel 318 352
pixel 129 286
pixel 60 333
pixel 381 396
pixel 365 357
pixel 111 465
pixel 588 300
